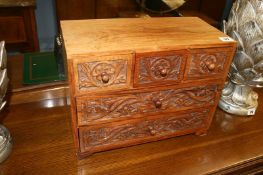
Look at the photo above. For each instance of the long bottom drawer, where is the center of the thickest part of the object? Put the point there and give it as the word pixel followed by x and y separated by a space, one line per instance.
pixel 120 134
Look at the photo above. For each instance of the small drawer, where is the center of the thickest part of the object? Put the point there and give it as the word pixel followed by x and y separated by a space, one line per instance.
pixel 211 62
pixel 118 134
pixel 102 73
pixel 159 68
pixel 112 108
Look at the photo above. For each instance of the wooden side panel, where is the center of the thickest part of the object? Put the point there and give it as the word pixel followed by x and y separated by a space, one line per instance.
pixel 31 30
pixel 12 29
pixel 73 105
pixel 115 135
pixel 18 29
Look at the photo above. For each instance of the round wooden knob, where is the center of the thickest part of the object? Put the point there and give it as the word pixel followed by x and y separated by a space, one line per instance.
pixel 163 72
pixel 152 131
pixel 158 103
pixel 211 66
pixel 105 77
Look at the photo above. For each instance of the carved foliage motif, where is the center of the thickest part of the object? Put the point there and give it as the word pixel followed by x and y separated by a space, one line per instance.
pixel 159 68
pixel 206 64
pixel 158 127
pixel 136 104
pixel 90 74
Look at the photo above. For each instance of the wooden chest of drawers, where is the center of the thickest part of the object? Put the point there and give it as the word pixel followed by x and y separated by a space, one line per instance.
pixel 139 80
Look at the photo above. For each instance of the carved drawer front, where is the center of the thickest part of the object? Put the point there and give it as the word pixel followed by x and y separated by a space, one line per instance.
pixel 139 131
pixel 208 62
pixel 99 110
pixel 159 68
pixel 103 73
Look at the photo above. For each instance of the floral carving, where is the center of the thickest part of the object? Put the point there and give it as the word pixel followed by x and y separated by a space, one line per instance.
pixel 152 69
pixel 92 74
pixel 146 128
pixel 138 104
pixel 203 64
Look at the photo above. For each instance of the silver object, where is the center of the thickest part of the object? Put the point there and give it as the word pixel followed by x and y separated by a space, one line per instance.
pixel 5 138
pixel 245 25
pixel 5 143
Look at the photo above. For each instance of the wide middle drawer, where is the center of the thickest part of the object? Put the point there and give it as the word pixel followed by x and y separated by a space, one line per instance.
pixel 93 110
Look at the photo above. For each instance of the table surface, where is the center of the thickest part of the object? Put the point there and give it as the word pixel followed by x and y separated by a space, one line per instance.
pixel 43 144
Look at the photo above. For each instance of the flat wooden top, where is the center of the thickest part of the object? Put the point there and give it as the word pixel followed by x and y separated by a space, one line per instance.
pixel 138 34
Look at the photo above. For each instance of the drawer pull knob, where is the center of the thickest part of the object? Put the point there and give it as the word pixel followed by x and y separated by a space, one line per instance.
pixel 158 103
pixel 152 130
pixel 163 72
pixel 105 77
pixel 210 66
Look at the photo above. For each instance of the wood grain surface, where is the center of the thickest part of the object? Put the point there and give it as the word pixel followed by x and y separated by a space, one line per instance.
pixel 140 34
pixel 43 144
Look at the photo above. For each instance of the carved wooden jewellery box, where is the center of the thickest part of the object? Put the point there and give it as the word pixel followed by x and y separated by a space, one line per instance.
pixel 139 80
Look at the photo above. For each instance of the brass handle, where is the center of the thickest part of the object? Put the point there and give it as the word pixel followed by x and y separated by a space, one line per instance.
pixel 105 77
pixel 210 66
pixel 163 72
pixel 158 103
